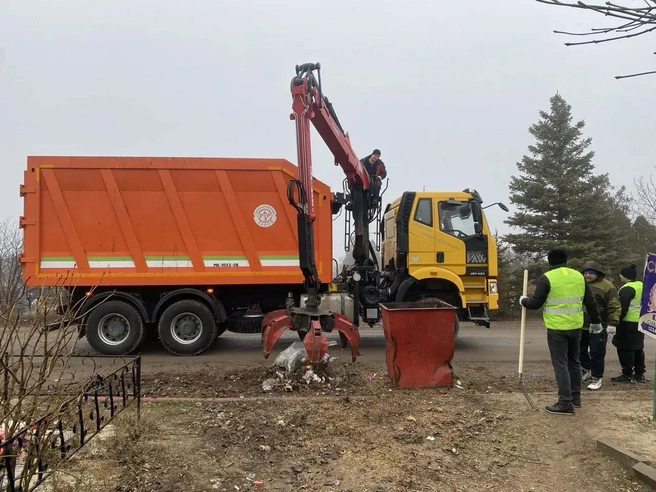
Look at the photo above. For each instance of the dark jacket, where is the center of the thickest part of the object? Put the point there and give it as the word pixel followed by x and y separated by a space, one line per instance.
pixel 542 288
pixel 628 337
pixel 375 169
pixel 605 294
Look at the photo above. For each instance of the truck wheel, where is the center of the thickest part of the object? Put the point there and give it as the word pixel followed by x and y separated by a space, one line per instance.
pixel 187 327
pixel 246 324
pixel 115 328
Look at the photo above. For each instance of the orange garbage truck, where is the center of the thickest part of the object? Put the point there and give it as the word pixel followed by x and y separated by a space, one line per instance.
pixel 190 247
pixel 186 246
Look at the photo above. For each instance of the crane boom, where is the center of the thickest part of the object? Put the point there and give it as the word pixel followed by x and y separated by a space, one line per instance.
pixel 311 105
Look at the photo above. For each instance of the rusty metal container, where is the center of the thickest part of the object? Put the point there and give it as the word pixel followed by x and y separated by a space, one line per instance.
pixel 420 341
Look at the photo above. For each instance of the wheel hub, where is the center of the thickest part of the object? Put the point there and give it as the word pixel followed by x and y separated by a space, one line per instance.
pixel 113 329
pixel 186 328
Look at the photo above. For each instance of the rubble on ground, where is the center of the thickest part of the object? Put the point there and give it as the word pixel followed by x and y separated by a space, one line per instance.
pixel 293 371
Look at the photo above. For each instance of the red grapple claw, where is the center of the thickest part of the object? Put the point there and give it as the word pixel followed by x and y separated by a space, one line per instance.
pixel 315 342
pixel 273 329
pixel 349 331
pixel 270 316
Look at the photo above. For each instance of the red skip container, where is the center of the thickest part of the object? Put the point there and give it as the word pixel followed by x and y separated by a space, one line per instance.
pixel 420 340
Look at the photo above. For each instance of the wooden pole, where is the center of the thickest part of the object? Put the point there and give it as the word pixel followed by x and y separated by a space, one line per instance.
pixel 523 327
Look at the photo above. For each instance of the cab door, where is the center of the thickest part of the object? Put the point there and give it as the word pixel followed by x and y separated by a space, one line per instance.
pixel 458 239
pixel 421 244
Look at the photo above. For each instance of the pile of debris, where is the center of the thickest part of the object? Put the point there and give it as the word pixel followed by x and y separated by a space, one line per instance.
pixel 292 371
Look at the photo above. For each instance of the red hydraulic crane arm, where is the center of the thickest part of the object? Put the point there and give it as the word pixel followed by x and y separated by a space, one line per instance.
pixel 310 105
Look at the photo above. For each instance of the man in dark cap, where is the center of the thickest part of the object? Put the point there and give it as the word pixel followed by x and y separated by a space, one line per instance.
pixel 630 341
pixel 377 172
pixel 563 292
pixel 605 293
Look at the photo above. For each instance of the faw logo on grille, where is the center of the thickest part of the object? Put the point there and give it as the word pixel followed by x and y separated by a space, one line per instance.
pixel 476 257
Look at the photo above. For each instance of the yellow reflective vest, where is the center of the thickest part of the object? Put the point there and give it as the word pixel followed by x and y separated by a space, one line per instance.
pixel 633 314
pixel 563 309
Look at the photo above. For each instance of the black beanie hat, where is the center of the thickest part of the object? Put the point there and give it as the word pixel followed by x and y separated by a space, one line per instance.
pixel 376 151
pixel 557 256
pixel 629 272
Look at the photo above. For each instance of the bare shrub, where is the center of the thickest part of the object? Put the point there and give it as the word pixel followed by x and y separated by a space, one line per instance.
pixel 36 378
pixel 11 244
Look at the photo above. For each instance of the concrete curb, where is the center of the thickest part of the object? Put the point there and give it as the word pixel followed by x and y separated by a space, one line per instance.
pixel 636 463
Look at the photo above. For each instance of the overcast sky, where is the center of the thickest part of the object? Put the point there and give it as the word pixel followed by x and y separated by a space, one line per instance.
pixel 447 90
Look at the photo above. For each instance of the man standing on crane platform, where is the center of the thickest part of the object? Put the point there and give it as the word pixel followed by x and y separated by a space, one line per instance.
pixel 376 169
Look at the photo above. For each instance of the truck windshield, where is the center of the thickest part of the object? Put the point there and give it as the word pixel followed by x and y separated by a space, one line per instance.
pixel 457 220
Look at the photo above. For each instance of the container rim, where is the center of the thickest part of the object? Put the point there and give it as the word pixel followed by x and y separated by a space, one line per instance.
pixel 416 306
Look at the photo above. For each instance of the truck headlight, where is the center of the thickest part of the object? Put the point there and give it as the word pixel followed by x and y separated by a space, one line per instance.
pixel 493 287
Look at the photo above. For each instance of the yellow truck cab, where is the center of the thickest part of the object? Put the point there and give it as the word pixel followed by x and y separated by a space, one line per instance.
pixel 437 244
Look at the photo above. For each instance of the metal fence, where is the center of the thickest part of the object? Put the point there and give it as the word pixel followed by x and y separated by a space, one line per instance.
pixel 28 457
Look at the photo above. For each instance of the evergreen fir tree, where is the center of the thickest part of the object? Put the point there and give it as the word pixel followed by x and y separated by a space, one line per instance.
pixel 561 202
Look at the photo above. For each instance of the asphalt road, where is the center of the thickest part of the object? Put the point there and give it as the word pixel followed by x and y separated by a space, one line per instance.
pixel 500 343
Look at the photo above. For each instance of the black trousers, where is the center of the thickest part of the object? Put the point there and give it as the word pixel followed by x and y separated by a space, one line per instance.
pixel 632 362
pixel 594 360
pixel 565 349
pixel 374 188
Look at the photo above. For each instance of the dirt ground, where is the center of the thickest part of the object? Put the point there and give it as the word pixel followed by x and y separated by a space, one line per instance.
pixel 207 424
pixel 354 432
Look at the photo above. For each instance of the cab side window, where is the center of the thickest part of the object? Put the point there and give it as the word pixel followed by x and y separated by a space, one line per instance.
pixel 389 228
pixel 457 219
pixel 424 212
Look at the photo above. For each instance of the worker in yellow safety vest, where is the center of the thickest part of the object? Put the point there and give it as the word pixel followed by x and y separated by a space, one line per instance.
pixel 563 292
pixel 630 341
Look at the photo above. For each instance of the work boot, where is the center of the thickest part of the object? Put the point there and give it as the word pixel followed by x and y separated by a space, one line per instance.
pixel 641 379
pixel 622 379
pixel 576 399
pixel 595 384
pixel 585 374
pixel 560 409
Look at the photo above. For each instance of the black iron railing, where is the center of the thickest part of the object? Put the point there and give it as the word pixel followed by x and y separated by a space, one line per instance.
pixel 28 457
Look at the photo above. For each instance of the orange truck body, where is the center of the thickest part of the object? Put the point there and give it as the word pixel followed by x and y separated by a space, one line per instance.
pixel 142 221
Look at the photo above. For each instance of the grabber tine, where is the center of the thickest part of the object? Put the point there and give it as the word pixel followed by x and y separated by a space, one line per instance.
pixel 349 331
pixel 315 342
pixel 272 332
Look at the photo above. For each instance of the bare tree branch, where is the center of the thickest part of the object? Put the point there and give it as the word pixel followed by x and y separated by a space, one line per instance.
pixel 646 197
pixel 638 18
pixel 11 245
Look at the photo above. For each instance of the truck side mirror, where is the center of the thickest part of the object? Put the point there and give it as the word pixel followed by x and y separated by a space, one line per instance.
pixel 478 217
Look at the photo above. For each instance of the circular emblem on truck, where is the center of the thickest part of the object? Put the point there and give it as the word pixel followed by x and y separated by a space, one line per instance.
pixel 265 215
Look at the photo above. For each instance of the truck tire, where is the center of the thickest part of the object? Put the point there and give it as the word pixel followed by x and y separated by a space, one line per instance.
pixel 115 328
pixel 187 327
pixel 246 324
